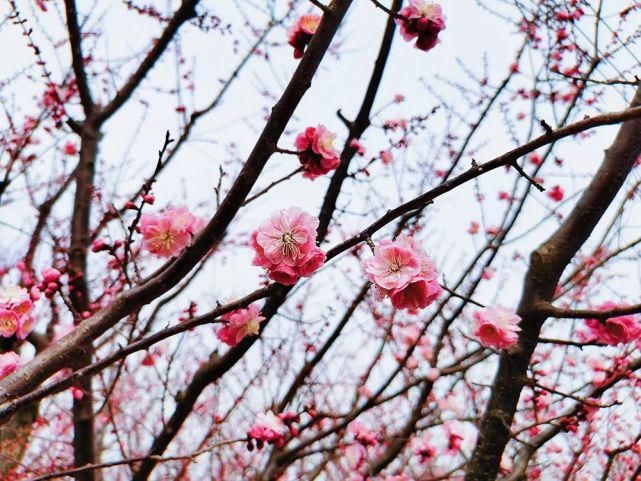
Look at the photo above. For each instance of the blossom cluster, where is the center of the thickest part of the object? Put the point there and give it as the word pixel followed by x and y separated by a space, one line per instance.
pixel 271 429
pixel 16 308
pixel 240 324
pixel 423 21
pixel 497 326
pixel 301 33
pixel 166 234
pixel 316 151
pixel 285 246
pixel 402 271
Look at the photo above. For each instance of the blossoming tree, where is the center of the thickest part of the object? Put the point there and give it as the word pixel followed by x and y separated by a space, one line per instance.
pixel 211 271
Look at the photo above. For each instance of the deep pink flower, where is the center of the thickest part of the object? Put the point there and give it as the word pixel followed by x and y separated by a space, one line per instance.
pixel 556 193
pixel 316 150
pixel 70 148
pixel 301 33
pixel 423 21
pixel 616 330
pixel 285 246
pixel 497 326
pixel 9 362
pixel 168 233
pixel 240 324
pixel 268 428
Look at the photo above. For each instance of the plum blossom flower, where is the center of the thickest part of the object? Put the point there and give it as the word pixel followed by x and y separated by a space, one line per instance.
pixel 240 324
pixel 268 428
pixel 402 271
pixel 362 435
pixel 497 326
pixel 168 233
pixel 423 21
pixel 317 153
pixel 15 312
pixel 615 330
pixel 285 246
pixel 556 193
pixel 386 157
pixel 9 362
pixel 301 33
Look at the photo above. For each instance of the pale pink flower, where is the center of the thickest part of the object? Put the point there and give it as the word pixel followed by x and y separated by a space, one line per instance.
pixel 240 324
pixel 268 428
pixel 316 151
pixel 423 21
pixel 301 33
pixel 9 362
pixel 402 271
pixel 616 330
pixel 285 246
pixel 393 266
pixel 497 326
pixel 168 233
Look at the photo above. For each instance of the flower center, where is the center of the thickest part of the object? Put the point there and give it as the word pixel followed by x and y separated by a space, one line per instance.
pixel 289 245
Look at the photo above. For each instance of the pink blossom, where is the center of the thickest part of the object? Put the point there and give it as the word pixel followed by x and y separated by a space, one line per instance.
pixel 356 145
pixel 301 33
pixel 168 233
pixel 240 323
pixel 497 326
pixel 356 455
pixel 423 21
pixel 361 434
pixel 424 450
pixel 556 193
pixel 615 330
pixel 268 428
pixel 316 151
pixel 285 246
pixel 15 312
pixel 386 157
pixel 402 271
pixel 9 362
pixel 70 148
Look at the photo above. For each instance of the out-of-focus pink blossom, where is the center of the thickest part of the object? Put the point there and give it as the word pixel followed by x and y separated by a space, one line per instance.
pixel 268 428
pixel 240 324
pixel 285 246
pixel 497 326
pixel 168 233
pixel 386 157
pixel 422 21
pixel 316 151
pixel 9 362
pixel 616 330
pixel 556 193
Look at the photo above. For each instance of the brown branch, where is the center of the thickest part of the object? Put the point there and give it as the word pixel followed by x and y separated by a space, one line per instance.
pixel 185 12
pixel 158 459
pixel 548 310
pixel 77 57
